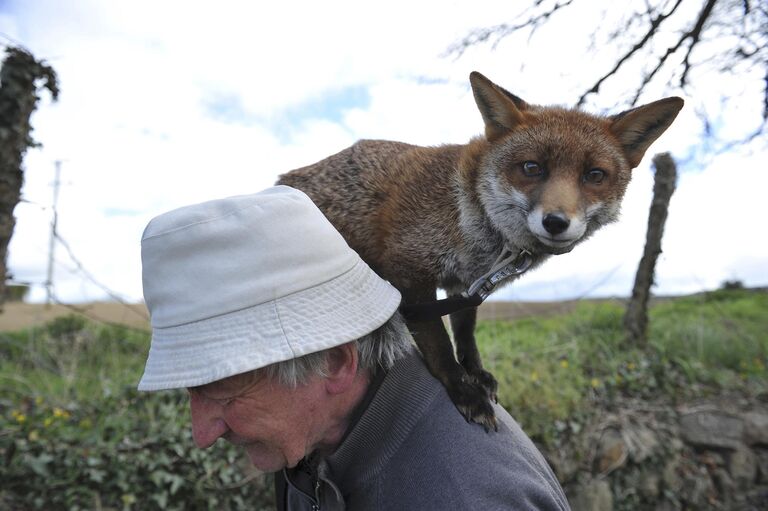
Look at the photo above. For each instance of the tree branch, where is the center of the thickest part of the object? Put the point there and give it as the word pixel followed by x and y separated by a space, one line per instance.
pixel 503 30
pixel 655 24
pixel 695 36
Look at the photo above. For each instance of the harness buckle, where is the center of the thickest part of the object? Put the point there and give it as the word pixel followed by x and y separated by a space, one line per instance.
pixel 501 270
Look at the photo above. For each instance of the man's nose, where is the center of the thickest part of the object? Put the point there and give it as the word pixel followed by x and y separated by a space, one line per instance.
pixel 207 423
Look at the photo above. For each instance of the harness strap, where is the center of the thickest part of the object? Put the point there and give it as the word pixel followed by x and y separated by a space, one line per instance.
pixel 506 265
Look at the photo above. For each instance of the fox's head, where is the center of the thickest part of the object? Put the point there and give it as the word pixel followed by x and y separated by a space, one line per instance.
pixel 551 176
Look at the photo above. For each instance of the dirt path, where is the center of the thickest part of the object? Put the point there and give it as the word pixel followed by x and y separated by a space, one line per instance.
pixel 18 316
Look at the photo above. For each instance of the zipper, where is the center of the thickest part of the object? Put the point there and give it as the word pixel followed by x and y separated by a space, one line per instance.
pixel 316 505
pixel 313 501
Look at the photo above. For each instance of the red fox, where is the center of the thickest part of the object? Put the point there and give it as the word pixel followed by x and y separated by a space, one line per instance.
pixel 541 180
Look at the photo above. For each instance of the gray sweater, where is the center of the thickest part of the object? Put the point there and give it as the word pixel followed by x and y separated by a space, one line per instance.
pixel 410 449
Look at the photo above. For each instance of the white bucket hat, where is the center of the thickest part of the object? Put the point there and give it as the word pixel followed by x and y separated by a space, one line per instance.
pixel 240 283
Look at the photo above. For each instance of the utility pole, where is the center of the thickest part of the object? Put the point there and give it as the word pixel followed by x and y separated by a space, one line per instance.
pixel 52 244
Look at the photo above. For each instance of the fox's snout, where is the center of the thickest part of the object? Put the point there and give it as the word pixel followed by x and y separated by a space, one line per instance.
pixel 555 223
pixel 555 229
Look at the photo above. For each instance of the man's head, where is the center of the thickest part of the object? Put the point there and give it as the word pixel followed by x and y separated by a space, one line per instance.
pixel 260 308
pixel 284 411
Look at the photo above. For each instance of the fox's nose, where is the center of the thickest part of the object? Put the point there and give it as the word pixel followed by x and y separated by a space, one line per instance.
pixel 555 223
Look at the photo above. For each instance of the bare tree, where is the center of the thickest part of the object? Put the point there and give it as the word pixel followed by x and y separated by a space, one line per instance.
pixel 636 315
pixel 667 39
pixel 19 79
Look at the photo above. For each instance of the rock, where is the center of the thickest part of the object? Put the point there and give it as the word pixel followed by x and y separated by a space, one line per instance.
pixel 650 485
pixel 762 465
pixel 641 441
pixel 594 495
pixel 565 467
pixel 724 483
pixel 711 459
pixel 696 490
pixel 742 466
pixel 712 429
pixel 666 505
pixel 612 452
pixel 756 428
pixel 676 445
pixel 672 480
pixel 756 498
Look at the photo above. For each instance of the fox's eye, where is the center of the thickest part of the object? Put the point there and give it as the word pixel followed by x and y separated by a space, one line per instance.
pixel 594 176
pixel 532 169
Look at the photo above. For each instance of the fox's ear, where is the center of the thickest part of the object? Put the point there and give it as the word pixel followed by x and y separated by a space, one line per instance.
pixel 501 110
pixel 639 127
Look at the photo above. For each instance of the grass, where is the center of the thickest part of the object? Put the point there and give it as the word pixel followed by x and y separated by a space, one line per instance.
pixel 68 403
pixel 71 360
pixel 552 370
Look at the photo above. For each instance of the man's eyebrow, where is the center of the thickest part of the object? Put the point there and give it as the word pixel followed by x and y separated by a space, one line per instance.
pixel 228 388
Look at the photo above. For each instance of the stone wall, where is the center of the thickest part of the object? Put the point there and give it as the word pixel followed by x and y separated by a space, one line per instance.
pixel 711 454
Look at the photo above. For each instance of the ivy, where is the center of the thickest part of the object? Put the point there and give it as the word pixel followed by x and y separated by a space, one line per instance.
pixel 19 78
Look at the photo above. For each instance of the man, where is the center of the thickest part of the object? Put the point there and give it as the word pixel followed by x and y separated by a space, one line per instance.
pixel 292 347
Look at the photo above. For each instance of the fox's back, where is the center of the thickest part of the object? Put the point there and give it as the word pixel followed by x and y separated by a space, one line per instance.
pixel 374 190
pixel 350 183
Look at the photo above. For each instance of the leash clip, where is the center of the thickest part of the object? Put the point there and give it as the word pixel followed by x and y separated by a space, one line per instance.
pixel 504 267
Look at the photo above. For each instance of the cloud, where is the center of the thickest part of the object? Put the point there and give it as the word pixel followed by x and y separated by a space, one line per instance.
pixel 169 103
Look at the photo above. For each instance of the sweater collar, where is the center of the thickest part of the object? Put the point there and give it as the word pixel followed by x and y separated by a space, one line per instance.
pixel 397 405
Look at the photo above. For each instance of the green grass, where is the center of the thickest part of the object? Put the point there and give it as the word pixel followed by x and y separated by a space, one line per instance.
pixel 71 360
pixel 553 370
pixel 68 405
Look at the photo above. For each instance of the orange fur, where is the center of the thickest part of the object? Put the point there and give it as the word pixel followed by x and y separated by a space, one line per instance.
pixel 437 217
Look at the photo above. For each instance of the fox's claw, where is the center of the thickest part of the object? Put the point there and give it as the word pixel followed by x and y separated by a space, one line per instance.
pixel 472 401
pixel 486 381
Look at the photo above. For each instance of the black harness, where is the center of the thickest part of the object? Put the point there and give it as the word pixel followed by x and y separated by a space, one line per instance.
pixel 507 265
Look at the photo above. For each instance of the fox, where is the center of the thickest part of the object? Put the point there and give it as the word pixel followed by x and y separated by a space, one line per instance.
pixel 539 181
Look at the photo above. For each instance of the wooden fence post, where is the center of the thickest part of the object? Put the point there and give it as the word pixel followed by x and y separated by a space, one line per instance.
pixel 636 316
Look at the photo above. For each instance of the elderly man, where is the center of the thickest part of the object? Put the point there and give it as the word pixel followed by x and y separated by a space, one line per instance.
pixel 292 347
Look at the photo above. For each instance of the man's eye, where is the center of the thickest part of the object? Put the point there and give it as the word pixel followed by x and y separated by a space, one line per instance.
pixel 594 176
pixel 532 169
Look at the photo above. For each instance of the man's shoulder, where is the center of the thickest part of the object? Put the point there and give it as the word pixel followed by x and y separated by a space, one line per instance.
pixel 412 449
pixel 447 458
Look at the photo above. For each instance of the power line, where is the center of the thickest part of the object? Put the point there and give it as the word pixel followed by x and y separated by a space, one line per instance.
pixel 83 312
pixel 112 294
pixel 79 267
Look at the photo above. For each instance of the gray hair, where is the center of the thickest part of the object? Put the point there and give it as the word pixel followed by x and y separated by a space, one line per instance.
pixel 378 349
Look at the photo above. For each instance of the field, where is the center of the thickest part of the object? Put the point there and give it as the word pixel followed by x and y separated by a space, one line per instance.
pixel 74 434
pixel 17 316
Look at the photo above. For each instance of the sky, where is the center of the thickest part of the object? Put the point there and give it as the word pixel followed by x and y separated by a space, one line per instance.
pixel 170 103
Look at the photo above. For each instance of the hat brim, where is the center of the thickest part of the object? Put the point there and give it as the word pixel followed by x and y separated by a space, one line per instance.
pixel 330 314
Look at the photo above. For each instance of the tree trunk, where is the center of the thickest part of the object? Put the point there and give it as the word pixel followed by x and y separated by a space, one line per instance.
pixel 636 316
pixel 18 98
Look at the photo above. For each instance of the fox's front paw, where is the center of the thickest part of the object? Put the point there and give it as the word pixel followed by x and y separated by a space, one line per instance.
pixel 472 401
pixel 486 381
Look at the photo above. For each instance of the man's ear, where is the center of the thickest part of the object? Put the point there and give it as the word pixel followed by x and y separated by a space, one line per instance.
pixel 342 368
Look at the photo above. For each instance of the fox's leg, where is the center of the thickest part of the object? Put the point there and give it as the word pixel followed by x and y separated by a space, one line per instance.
pixel 434 343
pixel 463 327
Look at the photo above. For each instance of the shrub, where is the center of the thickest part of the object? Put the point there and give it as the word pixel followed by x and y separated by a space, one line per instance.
pixel 74 434
pixel 127 451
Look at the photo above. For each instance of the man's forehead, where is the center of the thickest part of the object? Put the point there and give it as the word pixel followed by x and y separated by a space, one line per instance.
pixel 230 386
